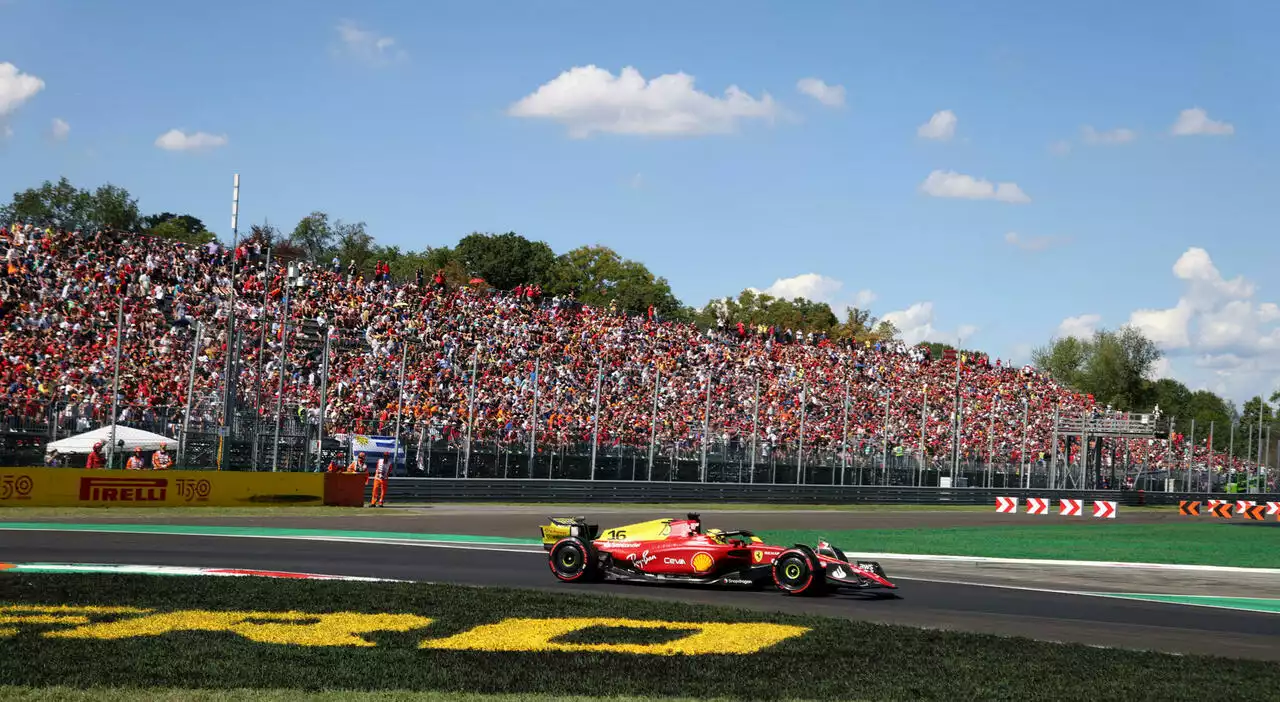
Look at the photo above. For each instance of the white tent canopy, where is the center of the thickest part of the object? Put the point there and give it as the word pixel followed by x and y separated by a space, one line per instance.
pixel 132 438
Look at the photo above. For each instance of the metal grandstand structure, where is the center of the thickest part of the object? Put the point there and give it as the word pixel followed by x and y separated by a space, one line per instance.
pixel 1083 428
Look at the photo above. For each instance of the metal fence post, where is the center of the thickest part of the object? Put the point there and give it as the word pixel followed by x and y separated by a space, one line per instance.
pixel 1210 470
pixel 1022 454
pixel 191 384
pixel 324 398
pixel 595 417
pixel 755 421
pixel 653 419
pixel 1191 460
pixel 533 416
pixel 115 381
pixel 884 438
pixel 844 441
pixel 1258 472
pixel 284 360
pixel 991 444
pixel 924 421
pixel 800 437
pixel 404 356
pixel 471 411
pixel 706 427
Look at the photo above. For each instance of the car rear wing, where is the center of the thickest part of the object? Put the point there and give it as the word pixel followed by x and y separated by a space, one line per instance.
pixel 560 527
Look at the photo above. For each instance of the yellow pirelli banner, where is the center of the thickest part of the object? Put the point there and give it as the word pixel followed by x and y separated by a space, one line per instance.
pixel 67 487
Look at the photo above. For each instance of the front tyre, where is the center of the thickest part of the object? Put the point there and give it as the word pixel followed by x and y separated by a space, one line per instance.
pixel 795 573
pixel 573 560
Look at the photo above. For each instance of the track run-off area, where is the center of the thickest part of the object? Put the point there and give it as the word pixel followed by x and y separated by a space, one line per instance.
pixel 1212 610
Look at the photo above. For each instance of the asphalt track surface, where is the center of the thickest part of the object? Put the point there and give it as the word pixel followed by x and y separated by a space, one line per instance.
pixel 998 610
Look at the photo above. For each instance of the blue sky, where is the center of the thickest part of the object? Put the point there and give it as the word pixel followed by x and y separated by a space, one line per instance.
pixel 431 120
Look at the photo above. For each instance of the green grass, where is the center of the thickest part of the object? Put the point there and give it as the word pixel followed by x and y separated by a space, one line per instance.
pixel 1198 543
pixel 836 660
pixel 127 694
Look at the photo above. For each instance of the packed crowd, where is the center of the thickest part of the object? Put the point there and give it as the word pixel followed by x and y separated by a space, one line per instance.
pixel 61 293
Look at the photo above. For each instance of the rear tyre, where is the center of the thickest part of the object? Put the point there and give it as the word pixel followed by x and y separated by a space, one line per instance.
pixel 796 573
pixel 573 560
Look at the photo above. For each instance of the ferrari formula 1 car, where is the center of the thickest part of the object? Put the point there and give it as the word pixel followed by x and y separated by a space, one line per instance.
pixel 679 551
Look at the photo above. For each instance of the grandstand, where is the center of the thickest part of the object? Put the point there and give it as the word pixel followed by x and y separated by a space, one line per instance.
pixel 503 384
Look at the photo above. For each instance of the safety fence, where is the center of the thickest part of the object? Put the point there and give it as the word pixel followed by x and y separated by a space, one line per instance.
pixel 622 491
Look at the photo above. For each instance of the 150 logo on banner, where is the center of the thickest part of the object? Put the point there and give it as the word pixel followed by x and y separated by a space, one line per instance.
pixel 194 490
pixel 16 487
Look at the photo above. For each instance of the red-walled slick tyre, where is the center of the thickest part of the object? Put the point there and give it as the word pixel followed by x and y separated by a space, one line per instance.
pixel 797 573
pixel 573 560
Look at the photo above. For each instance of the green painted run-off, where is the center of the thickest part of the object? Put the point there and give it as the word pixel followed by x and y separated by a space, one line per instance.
pixel 186 530
pixel 1252 604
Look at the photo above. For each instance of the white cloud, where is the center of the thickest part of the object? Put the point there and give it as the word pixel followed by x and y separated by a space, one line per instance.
pixel 958 185
pixel 1062 147
pixel 1218 322
pixel 1081 327
pixel 1196 121
pixel 60 129
pixel 819 288
pixel 6 131
pixel 916 324
pixel 16 88
pixel 1031 243
pixel 588 99
pixel 177 140
pixel 816 88
pixel 941 126
pixel 1093 137
pixel 367 46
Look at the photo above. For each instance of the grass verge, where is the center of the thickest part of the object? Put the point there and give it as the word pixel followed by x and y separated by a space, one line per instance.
pixel 833 659
pixel 1193 543
pixel 126 694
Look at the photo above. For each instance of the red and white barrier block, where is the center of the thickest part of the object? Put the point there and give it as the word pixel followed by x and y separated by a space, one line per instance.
pixel 1037 505
pixel 1104 509
pixel 1070 508
pixel 1242 505
pixel 1007 505
pixel 1273 508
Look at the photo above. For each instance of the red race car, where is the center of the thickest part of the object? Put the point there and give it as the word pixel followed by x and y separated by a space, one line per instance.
pixel 679 551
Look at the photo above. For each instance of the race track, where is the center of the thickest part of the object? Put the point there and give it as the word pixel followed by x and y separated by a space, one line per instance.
pixel 1020 612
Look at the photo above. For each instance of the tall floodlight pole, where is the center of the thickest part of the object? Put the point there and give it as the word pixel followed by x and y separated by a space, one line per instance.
pixel 958 424
pixel 324 396
pixel 115 380
pixel 991 444
pixel 191 386
pixel 229 384
pixel 1209 471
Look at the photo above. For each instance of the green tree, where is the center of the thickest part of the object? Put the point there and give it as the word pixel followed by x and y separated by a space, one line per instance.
pixel 58 204
pixel 353 243
pixel 754 308
pixel 1113 366
pixel 112 207
pixel 1253 412
pixel 506 260
pixel 313 235
pixel 175 231
pixel 597 275
pixel 184 228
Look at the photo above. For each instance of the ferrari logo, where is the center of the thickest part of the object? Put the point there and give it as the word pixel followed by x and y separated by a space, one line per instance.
pixel 702 562
pixel 757 556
